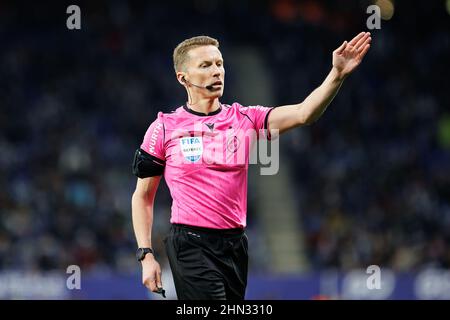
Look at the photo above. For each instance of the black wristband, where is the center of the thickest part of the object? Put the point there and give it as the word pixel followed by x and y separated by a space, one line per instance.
pixel 141 252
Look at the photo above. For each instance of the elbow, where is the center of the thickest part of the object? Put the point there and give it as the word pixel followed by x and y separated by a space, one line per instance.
pixel 305 120
pixel 139 198
pixel 310 119
pixel 307 115
pixel 136 195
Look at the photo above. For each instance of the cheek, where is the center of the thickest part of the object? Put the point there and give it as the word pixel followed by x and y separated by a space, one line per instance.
pixel 204 73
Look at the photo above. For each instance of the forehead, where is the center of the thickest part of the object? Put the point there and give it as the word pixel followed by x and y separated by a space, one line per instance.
pixel 210 53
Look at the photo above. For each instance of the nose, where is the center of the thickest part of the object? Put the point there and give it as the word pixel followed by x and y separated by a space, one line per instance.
pixel 217 71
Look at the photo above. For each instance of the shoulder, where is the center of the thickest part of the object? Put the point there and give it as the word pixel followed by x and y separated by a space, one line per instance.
pixel 235 108
pixel 247 109
pixel 171 114
pixel 171 117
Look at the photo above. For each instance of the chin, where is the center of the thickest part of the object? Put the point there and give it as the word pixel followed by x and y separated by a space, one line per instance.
pixel 217 94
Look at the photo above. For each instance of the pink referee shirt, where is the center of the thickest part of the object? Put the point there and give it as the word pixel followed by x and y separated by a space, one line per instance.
pixel 206 161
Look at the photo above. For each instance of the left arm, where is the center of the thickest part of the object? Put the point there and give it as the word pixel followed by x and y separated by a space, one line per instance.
pixel 345 59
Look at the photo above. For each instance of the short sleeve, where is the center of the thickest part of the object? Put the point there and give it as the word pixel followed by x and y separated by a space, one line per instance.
pixel 153 142
pixel 259 115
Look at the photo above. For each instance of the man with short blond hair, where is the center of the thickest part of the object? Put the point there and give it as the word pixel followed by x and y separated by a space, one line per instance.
pixel 181 51
pixel 195 148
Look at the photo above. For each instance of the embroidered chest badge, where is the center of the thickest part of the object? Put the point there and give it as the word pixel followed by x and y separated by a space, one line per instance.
pixel 192 148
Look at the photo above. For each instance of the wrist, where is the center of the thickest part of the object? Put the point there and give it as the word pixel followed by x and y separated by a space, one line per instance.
pixel 143 253
pixel 337 75
pixel 148 258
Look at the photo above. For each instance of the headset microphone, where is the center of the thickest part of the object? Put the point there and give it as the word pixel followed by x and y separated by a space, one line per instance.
pixel 209 87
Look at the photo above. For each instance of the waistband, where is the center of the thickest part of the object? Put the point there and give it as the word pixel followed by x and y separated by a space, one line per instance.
pixel 225 232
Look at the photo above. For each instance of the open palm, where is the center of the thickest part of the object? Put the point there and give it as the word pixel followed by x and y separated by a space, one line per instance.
pixel 350 54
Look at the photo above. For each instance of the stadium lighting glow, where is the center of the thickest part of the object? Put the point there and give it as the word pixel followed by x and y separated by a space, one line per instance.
pixel 386 8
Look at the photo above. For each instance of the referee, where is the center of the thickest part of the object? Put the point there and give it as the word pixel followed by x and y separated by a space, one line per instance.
pixel 202 150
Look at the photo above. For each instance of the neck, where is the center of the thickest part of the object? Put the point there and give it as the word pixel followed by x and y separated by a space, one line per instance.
pixel 205 105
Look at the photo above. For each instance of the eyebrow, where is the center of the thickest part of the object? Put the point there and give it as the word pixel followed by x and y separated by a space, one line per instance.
pixel 209 61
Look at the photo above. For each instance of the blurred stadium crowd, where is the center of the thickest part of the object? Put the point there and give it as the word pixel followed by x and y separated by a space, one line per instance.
pixel 372 175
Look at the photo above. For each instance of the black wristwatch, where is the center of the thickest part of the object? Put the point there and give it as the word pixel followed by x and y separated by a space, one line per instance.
pixel 141 252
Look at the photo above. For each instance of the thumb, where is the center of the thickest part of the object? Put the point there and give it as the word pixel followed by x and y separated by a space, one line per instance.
pixel 158 279
pixel 341 48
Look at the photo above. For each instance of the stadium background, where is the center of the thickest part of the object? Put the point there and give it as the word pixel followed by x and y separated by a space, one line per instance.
pixel 368 184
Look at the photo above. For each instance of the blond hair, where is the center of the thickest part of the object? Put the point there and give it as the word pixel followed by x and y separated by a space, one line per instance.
pixel 182 49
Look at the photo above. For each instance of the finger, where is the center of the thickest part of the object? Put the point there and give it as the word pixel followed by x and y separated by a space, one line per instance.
pixel 150 284
pixel 356 39
pixel 350 49
pixel 361 41
pixel 363 45
pixel 341 48
pixel 158 279
pixel 364 51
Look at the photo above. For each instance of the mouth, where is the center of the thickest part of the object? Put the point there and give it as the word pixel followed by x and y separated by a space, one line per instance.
pixel 216 84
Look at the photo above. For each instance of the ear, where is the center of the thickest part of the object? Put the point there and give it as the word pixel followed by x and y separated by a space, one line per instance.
pixel 181 78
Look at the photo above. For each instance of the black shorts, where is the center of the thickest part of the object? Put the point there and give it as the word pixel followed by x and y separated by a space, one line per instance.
pixel 208 264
